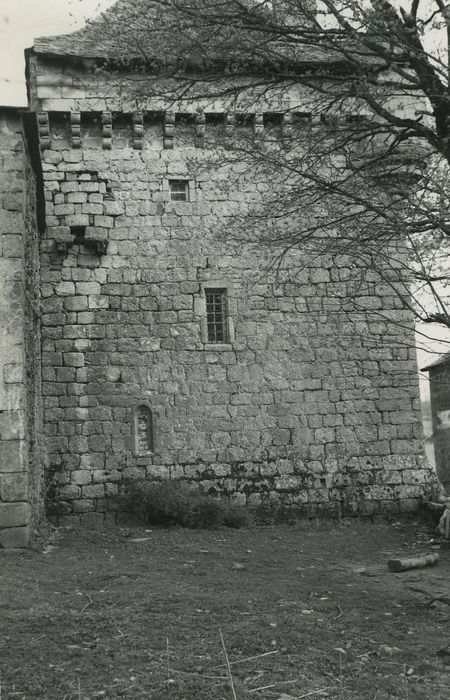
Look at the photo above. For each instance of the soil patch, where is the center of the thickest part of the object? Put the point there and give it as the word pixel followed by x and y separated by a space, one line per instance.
pixel 303 612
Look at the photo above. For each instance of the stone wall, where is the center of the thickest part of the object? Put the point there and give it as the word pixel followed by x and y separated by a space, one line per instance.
pixel 312 404
pixel 440 409
pixel 20 466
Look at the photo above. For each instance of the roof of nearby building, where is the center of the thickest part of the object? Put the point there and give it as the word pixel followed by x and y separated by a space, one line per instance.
pixel 146 30
pixel 444 360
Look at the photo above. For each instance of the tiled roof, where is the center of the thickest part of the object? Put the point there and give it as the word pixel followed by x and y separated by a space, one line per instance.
pixel 139 29
pixel 107 36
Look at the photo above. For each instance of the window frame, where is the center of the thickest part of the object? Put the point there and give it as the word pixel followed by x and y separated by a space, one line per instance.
pixel 136 448
pixel 200 310
pixel 180 195
pixel 216 300
pixel 190 189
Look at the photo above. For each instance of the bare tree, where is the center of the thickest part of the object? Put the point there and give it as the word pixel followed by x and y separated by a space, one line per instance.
pixel 360 102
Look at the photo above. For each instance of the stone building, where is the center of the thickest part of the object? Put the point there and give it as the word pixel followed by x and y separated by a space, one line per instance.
pixel 439 376
pixel 137 344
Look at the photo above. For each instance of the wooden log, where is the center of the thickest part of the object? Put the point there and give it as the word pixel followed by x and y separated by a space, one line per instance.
pixel 417 562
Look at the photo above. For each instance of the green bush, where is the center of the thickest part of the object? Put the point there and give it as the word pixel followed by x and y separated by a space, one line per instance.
pixel 174 503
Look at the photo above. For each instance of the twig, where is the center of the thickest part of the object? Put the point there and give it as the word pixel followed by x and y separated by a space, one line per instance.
pixel 313 692
pixel 79 688
pixel 405 680
pixel 168 660
pixel 274 685
pixel 249 658
pixel 87 604
pixel 230 675
pixel 256 678
pixel 341 612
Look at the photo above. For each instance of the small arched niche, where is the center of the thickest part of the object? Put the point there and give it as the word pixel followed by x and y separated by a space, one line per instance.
pixel 143 425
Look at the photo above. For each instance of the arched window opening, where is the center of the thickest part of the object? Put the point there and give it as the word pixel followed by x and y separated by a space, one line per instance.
pixel 143 429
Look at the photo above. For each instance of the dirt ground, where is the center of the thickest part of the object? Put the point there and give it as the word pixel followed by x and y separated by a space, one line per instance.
pixel 303 611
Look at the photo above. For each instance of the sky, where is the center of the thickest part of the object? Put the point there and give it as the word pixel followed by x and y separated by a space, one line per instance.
pixel 23 20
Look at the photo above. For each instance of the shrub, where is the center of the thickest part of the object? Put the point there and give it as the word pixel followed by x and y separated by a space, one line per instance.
pixel 176 503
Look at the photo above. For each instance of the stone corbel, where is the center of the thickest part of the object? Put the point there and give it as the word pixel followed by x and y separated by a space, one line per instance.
pixel 138 130
pixel 200 130
pixel 258 126
pixel 287 126
pixel 44 130
pixel 230 124
pixel 97 238
pixel 107 131
pixel 75 129
pixel 169 129
pixel 62 238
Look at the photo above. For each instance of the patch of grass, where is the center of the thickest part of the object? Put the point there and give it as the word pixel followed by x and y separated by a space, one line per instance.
pixel 174 503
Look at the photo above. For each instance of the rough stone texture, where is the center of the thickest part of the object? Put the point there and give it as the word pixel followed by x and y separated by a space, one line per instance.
pixel 14 537
pixel 312 405
pixel 20 506
pixel 439 374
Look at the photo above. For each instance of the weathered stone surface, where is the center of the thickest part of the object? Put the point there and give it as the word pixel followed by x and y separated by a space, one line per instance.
pixel 20 463
pixel 14 514
pixel 298 407
pixel 14 538
pixel 13 487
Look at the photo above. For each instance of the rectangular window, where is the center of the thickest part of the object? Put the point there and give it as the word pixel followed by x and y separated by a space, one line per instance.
pixel 179 190
pixel 216 315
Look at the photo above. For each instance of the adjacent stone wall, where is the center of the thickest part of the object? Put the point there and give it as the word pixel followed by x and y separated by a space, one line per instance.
pixel 14 499
pixel 20 464
pixel 440 409
pixel 312 405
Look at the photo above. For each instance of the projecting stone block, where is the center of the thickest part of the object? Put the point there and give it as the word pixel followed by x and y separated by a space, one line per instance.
pixel 14 538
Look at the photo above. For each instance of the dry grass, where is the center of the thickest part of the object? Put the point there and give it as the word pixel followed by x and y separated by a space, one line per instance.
pixel 294 612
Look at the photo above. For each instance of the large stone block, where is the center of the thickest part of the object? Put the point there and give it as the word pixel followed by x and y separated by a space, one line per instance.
pixel 14 514
pixel 12 456
pixel 13 487
pixel 14 538
pixel 12 425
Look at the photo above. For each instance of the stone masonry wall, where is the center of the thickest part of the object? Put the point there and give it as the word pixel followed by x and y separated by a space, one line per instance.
pixel 440 408
pixel 312 404
pixel 19 505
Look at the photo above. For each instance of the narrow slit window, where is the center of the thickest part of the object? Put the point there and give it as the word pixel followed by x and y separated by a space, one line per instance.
pixel 179 190
pixel 216 315
pixel 143 430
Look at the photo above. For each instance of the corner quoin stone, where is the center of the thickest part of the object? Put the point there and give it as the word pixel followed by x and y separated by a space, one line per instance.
pixel 14 538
